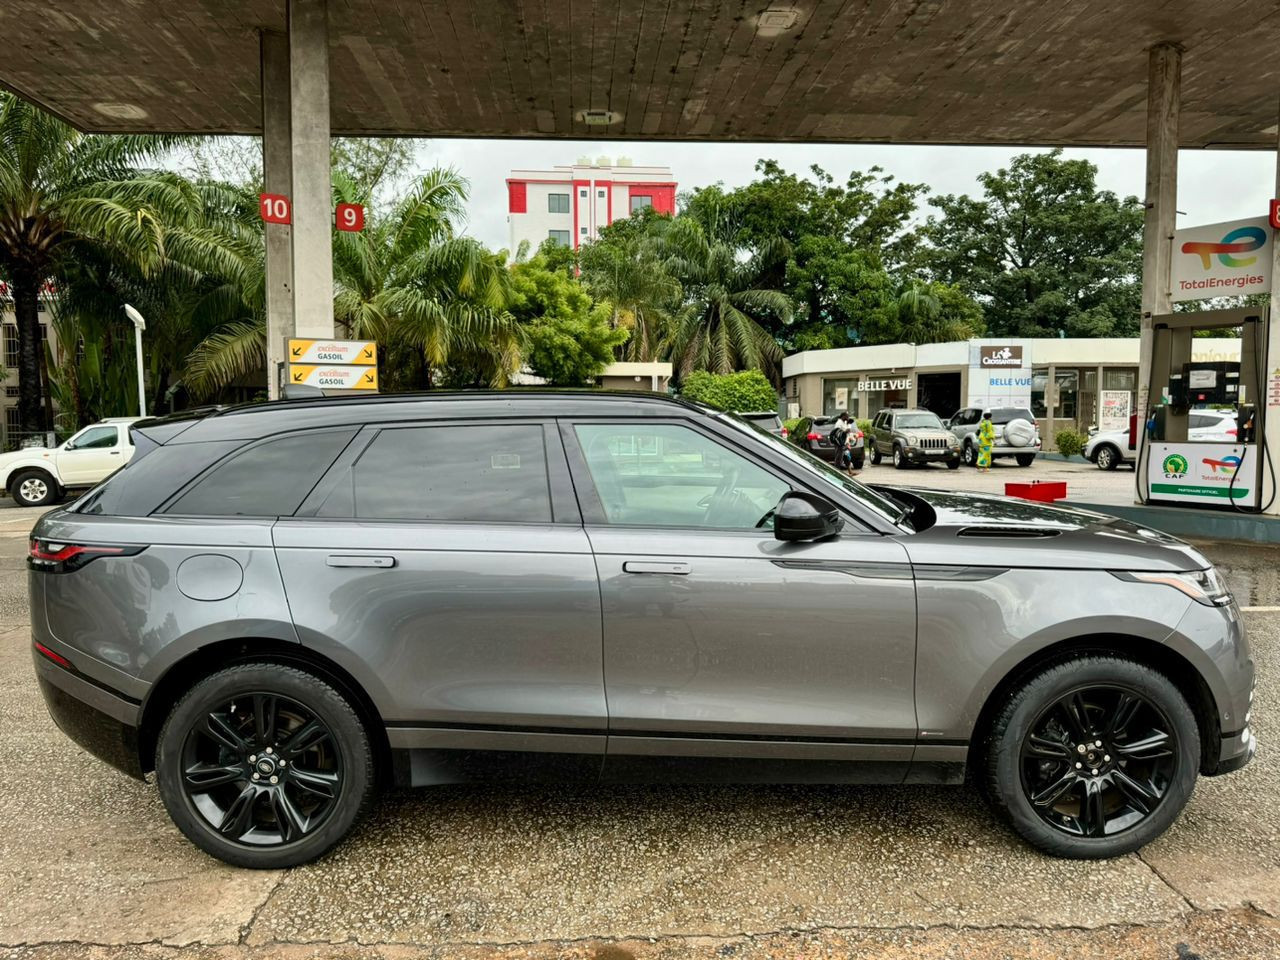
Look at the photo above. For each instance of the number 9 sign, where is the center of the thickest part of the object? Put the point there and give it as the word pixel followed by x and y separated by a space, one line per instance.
pixel 350 217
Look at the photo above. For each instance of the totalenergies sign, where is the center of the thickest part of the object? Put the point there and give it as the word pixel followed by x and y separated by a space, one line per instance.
pixel 1222 260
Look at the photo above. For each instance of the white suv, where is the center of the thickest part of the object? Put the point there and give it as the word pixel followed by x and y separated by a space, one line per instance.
pixel 38 476
pixel 1110 449
pixel 1017 434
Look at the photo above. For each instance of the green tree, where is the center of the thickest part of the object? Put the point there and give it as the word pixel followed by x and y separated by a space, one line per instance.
pixel 743 391
pixel 65 197
pixel 721 325
pixel 1043 250
pixel 936 313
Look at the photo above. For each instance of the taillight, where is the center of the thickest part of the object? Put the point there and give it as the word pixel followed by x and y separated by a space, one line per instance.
pixel 57 658
pixel 860 434
pixel 813 436
pixel 784 433
pixel 57 556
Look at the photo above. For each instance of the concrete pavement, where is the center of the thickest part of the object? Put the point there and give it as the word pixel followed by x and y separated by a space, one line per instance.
pixel 91 867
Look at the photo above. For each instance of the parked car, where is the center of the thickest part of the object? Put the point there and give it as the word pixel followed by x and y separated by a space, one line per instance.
pixel 767 421
pixel 1017 434
pixel 912 437
pixel 278 606
pixel 38 476
pixel 818 440
pixel 1111 448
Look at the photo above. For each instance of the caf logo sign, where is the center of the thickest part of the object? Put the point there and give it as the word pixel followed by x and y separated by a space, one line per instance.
pixel 1175 466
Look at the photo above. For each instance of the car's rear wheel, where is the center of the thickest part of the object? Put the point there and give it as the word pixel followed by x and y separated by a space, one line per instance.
pixel 969 454
pixel 1106 457
pixel 1093 758
pixel 34 488
pixel 264 766
pixel 859 459
pixel 1025 459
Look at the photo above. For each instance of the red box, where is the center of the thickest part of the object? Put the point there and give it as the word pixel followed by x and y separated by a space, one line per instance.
pixel 1046 491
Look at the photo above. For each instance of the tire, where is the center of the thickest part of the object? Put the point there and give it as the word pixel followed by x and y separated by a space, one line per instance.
pixel 333 788
pixel 953 464
pixel 1012 775
pixel 34 488
pixel 875 454
pixel 1025 459
pixel 1107 457
pixel 969 454
pixel 899 461
pixel 859 460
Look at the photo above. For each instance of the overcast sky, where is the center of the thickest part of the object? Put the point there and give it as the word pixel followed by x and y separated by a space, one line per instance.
pixel 1212 185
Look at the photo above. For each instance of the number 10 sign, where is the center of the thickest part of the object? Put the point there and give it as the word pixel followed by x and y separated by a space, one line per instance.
pixel 275 208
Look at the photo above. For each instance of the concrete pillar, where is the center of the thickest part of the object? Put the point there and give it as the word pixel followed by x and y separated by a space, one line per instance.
pixel 1270 500
pixel 1097 400
pixel 277 177
pixel 312 190
pixel 1050 408
pixel 1164 101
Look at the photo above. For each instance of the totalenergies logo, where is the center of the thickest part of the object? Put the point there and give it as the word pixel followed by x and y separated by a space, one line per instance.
pixel 1240 240
pixel 1228 464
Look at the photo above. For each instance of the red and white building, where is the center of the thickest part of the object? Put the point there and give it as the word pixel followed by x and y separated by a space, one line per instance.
pixel 572 204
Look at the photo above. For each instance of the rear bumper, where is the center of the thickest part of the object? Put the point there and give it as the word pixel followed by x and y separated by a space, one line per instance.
pixel 100 720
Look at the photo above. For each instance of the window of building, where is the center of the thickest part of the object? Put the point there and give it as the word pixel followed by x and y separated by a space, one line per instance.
pixel 10 345
pixel 600 194
pixel 664 475
pixel 493 474
pixel 266 480
pixel 12 426
pixel 640 201
pixel 582 230
pixel 582 194
pixel 838 396
pixel 559 236
pixel 10 392
pixel 1068 383
pixel 557 203
pixel 1119 379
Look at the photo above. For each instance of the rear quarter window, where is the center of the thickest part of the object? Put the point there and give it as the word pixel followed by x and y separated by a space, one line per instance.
pixel 151 478
pixel 268 479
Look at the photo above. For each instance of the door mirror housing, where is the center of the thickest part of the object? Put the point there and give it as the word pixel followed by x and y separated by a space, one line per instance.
pixel 803 516
pixel 947 423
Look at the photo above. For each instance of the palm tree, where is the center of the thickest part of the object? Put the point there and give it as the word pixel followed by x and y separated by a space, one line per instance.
pixel 65 197
pixel 718 328
pixel 625 271
pixel 923 317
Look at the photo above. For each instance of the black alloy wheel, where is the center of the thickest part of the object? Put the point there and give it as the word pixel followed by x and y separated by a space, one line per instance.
pixel 262 769
pixel 264 766
pixel 1093 757
pixel 1098 761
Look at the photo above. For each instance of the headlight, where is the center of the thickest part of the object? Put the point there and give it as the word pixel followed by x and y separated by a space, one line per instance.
pixel 953 441
pixel 1202 586
pixel 912 440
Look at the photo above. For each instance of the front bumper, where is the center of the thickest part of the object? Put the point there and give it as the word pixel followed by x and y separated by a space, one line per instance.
pixel 100 720
pixel 921 455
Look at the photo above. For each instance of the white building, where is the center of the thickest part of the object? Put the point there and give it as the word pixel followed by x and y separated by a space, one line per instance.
pixel 10 433
pixel 571 204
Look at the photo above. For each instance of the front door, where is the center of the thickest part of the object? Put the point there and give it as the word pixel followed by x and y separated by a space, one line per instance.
pixel 91 455
pixel 446 567
pixel 721 641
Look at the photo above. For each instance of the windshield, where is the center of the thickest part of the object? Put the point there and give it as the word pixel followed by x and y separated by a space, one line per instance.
pixel 918 421
pixel 882 505
pixel 1006 414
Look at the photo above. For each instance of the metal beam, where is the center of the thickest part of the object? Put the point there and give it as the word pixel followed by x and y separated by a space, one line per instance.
pixel 277 177
pixel 1268 414
pixel 312 190
pixel 1164 102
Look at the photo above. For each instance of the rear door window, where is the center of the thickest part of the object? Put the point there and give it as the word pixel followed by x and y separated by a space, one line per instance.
pixel 485 473
pixel 267 479
pixel 1002 415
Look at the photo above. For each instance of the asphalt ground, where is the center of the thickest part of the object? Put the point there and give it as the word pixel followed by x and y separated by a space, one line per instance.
pixel 90 865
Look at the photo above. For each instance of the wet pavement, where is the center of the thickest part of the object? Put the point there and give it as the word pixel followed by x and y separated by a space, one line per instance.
pixel 90 865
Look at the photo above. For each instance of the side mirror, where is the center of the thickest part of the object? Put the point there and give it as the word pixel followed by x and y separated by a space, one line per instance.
pixel 946 424
pixel 805 516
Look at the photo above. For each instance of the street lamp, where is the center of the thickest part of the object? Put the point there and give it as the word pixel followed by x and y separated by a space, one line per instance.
pixel 139 324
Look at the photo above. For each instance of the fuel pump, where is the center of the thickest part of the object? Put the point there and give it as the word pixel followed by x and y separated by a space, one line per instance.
pixel 1229 470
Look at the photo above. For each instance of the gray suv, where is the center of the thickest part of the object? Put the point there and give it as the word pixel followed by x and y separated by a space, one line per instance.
pixel 276 608
pixel 912 437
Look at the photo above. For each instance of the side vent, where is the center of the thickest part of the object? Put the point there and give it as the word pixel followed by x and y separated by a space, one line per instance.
pixel 1009 533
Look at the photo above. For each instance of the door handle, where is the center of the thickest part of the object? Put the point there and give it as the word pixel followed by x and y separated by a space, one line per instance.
pixel 338 560
pixel 115 453
pixel 680 569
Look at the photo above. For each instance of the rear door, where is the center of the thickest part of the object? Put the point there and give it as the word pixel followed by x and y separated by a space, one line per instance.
pixel 92 454
pixel 446 567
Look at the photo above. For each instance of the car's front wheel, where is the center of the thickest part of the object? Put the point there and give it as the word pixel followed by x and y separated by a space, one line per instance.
pixel 1094 757
pixel 34 488
pixel 875 454
pixel 264 766
pixel 899 460
pixel 1106 457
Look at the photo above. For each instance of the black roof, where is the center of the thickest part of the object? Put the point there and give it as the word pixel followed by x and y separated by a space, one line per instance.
pixel 251 420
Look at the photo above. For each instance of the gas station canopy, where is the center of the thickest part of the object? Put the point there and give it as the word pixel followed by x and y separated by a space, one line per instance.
pixel 900 71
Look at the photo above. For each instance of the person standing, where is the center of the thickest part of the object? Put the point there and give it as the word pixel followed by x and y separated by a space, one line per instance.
pixel 986 442
pixel 840 438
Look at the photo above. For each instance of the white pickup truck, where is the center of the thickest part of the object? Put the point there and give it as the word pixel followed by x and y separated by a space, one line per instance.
pixel 38 476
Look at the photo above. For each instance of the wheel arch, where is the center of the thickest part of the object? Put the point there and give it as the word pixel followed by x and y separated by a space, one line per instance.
pixel 1150 653
pixel 209 659
pixel 1107 443
pixel 19 470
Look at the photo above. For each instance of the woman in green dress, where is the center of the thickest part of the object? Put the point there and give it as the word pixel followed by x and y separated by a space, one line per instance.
pixel 986 440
